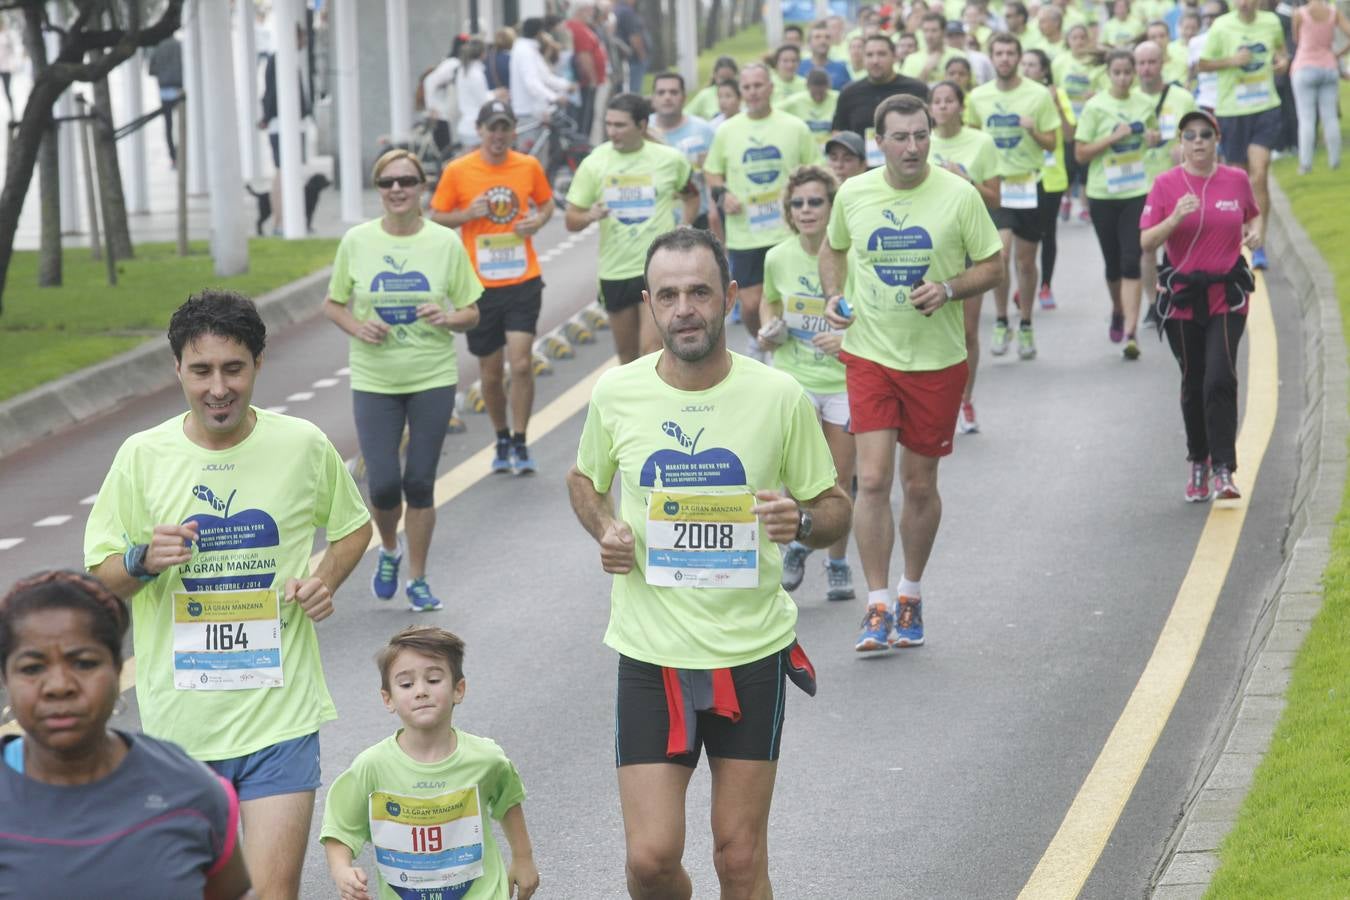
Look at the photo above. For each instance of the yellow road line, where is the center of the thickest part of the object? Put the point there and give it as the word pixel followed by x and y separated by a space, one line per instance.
pixel 1076 847
pixel 452 483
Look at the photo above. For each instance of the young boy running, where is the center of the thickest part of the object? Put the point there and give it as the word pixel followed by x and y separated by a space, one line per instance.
pixel 429 841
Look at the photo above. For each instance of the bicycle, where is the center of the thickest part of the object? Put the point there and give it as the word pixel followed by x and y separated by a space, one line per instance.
pixel 559 145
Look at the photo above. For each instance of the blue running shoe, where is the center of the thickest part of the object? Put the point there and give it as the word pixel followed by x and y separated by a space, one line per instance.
pixel 501 465
pixel 521 463
pixel 908 622
pixel 1259 258
pixel 420 598
pixel 384 584
pixel 876 630
pixel 794 565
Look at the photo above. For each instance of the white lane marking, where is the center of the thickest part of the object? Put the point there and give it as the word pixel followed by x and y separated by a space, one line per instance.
pixel 277 409
pixel 344 371
pixel 89 501
pixel 300 395
pixel 51 521
pixel 6 543
pixel 325 382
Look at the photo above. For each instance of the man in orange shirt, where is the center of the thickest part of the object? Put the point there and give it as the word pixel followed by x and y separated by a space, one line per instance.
pixel 498 199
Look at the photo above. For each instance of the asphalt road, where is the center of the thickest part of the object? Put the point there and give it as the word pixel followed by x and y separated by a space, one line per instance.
pixel 941 772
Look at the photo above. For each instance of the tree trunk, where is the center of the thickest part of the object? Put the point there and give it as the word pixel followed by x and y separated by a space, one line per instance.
pixel 111 198
pixel 40 147
pixel 712 30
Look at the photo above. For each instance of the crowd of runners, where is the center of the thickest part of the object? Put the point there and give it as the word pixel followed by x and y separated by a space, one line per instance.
pixel 792 261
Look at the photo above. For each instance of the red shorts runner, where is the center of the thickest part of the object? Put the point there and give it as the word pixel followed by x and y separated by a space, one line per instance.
pixel 920 406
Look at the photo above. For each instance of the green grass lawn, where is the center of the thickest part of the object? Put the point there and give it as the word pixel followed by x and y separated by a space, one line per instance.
pixel 1293 836
pixel 743 46
pixel 49 332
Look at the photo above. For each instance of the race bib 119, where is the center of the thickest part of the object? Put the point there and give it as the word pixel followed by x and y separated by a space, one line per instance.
pixel 428 846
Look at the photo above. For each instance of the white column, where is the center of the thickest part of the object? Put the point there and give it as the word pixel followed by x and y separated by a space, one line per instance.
pixel 229 245
pixel 686 43
pixel 67 135
pixel 822 8
pixel 530 8
pixel 195 85
pixel 288 118
pixel 400 82
pixel 246 94
pixel 773 22
pixel 346 84
pixel 131 148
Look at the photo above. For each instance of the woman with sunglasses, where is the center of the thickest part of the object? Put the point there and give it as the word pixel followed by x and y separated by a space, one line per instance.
pixel 1204 213
pixel 401 286
pixel 87 810
pixel 972 154
pixel 803 345
pixel 1113 133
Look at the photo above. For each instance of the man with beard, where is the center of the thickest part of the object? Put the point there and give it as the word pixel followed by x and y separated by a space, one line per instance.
pixel 704 441
pixel 858 101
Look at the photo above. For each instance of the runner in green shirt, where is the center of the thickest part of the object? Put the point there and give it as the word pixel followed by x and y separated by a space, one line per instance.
pixel 207 522
pixel 746 168
pixel 704 441
pixel 426 796
pixel 1171 101
pixel 970 153
pixel 1082 71
pixel 1054 176
pixel 1246 48
pixel 807 348
pixel 401 287
pixel 1020 116
pixel 786 82
pixel 1114 134
pixel 704 103
pixel 629 185
pixel 903 236
pixel 815 106
pixel 930 64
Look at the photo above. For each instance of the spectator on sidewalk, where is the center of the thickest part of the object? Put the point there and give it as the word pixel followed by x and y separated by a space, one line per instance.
pixel 440 96
pixel 1316 76
pixel 589 61
pixel 534 87
pixel 273 127
pixel 473 91
pixel 497 62
pixel 635 42
pixel 166 67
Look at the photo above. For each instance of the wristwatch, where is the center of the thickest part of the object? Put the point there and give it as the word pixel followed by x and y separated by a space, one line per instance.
pixel 134 562
pixel 803 523
pixel 947 286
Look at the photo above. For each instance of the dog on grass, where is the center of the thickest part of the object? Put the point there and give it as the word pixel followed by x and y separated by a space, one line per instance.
pixel 314 186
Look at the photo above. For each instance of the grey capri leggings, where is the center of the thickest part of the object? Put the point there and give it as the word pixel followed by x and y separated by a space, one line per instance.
pixel 379 430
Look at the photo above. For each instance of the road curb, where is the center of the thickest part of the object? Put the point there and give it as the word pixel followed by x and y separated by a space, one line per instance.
pixel 103 387
pixel 1211 810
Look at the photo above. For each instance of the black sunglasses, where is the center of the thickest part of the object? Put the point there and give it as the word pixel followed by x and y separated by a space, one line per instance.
pixel 1203 134
pixel 403 181
pixel 813 202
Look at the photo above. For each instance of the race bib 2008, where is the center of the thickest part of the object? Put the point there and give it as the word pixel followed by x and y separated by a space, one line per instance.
pixel 702 540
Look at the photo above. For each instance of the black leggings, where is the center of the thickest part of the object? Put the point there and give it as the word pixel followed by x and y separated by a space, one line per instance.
pixel 1207 354
pixel 379 431
pixel 1047 206
pixel 1117 225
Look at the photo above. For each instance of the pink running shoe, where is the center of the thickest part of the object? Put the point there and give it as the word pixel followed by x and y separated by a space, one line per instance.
pixel 1046 297
pixel 1224 489
pixel 1117 331
pixel 1197 489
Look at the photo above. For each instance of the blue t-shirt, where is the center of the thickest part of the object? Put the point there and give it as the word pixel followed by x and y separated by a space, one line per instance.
pixel 157 826
pixel 692 138
pixel 837 71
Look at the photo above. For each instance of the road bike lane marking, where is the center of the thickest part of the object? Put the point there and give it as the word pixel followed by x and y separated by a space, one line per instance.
pixel 1076 847
pixel 453 483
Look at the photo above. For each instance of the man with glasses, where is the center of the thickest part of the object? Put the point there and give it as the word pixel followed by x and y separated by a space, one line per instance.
pixel 499 198
pixel 902 235
pixel 1246 48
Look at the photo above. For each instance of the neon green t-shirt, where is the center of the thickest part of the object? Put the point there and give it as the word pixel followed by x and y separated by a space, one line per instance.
pixel 1249 89
pixel 257 506
pixel 817 116
pixel 1078 79
pixel 1036 40
pixel 897 240
pixel 430 823
pixel 1177 65
pixel 792 280
pixel 755 430
pixel 785 89
pixel 971 149
pixel 1120 173
pixel 1152 10
pixel 755 156
pixel 1121 33
pixel 1054 175
pixel 1000 112
pixel 1178 102
pixel 704 103
pixel 914 63
pixel 639 189
pixel 390 277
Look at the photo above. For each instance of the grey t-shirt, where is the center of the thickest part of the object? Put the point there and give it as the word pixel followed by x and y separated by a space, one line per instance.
pixel 155 827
